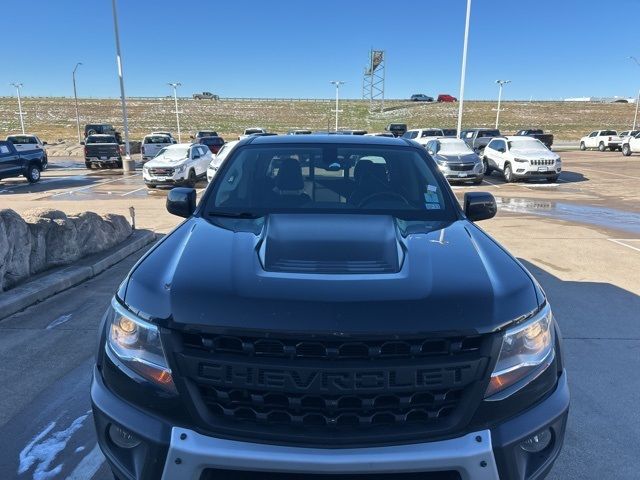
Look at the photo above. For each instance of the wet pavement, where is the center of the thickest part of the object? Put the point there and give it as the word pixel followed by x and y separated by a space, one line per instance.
pixel 609 218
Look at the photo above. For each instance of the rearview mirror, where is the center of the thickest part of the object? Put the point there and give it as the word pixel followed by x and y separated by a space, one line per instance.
pixel 479 206
pixel 181 201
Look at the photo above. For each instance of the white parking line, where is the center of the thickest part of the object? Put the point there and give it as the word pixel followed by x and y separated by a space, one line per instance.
pixel 88 466
pixel 133 191
pixel 87 187
pixel 610 173
pixel 620 241
pixel 491 183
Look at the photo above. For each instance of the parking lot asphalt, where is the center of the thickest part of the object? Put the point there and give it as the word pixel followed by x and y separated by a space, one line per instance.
pixel 580 238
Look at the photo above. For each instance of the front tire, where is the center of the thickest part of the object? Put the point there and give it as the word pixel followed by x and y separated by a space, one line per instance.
pixel 487 168
pixel 626 150
pixel 88 165
pixel 601 147
pixel 583 147
pixel 192 179
pixel 508 173
pixel 33 173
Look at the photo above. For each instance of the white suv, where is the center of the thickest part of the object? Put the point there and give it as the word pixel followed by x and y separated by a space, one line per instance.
pixel 423 135
pixel 521 157
pixel 179 164
pixel 601 139
pixel 219 158
pixel 631 145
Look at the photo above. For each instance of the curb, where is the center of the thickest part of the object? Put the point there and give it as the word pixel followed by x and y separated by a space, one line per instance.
pixel 41 288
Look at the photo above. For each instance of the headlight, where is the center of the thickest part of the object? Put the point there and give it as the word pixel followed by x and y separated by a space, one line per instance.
pixel 520 160
pixel 441 163
pixel 136 344
pixel 180 168
pixel 527 350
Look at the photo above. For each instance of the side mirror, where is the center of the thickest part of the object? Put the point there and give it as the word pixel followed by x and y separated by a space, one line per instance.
pixel 479 206
pixel 44 143
pixel 502 149
pixel 191 137
pixel 81 143
pixel 181 201
pixel 196 156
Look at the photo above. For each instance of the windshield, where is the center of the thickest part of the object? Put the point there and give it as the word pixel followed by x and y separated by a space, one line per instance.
pixel 363 179
pixel 18 139
pixel 158 139
pixel 455 147
pixel 101 140
pixel 174 153
pixel 489 133
pixel 526 144
pixel 212 141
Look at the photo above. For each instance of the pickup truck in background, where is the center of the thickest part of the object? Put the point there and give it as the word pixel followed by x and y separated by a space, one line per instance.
pixel 102 151
pixel 478 138
pixel 28 163
pixel 205 96
pixel 602 139
pixel 546 138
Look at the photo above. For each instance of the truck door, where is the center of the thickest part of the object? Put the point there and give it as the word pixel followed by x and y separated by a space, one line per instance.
pixel 591 140
pixel 9 161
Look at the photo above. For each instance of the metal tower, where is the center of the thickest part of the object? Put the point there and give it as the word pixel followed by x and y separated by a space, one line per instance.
pixel 373 80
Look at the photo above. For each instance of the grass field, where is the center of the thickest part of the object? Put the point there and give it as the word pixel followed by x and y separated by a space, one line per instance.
pixel 53 119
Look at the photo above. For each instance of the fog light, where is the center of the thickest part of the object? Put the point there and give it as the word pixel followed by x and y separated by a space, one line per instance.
pixel 538 442
pixel 122 438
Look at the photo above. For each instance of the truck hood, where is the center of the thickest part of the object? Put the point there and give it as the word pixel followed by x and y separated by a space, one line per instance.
pixel 533 154
pixel 165 162
pixel 249 274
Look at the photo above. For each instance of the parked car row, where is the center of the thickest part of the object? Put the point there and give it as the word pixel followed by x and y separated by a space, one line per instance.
pixel 627 141
pixel 443 97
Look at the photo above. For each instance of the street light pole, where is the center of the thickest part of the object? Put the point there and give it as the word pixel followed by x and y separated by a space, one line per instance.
pixel 128 164
pixel 337 83
pixel 18 87
pixel 635 117
pixel 501 83
pixel 175 99
pixel 75 95
pixel 464 67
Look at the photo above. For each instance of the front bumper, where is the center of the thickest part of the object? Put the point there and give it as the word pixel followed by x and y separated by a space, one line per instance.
pixel 170 451
pixel 175 179
pixel 529 171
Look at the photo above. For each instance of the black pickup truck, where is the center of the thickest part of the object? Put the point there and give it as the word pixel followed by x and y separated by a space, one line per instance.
pixel 29 163
pixel 546 138
pixel 102 151
pixel 478 138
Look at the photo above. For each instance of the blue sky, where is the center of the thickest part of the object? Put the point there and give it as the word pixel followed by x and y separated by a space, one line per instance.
pixel 283 48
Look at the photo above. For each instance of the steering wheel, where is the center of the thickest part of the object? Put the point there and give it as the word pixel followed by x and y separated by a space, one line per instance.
pixel 395 195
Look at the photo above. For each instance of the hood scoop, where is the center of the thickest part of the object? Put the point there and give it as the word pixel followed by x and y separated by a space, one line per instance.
pixel 331 244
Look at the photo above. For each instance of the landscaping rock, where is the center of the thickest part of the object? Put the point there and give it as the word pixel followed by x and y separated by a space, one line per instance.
pixel 16 259
pixel 47 238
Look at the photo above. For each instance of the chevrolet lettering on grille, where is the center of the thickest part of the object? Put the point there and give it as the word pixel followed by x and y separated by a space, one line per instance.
pixel 310 380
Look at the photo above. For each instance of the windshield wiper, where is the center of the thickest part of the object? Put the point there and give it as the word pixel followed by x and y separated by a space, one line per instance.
pixel 215 213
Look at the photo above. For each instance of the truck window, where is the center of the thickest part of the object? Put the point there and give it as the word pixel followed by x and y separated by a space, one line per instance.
pixel 4 150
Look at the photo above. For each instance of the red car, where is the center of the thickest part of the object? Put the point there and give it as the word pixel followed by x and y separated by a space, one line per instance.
pixel 443 97
pixel 214 143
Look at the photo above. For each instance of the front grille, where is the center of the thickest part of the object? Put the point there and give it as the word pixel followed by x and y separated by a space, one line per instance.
pixel 347 266
pixel 542 162
pixel 333 389
pixel 461 167
pixel 161 171
pixel 249 346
